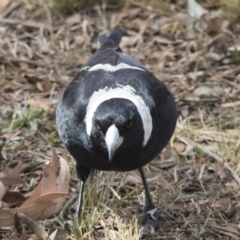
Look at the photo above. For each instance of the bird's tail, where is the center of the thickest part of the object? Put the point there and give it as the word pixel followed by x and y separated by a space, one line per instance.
pixel 112 41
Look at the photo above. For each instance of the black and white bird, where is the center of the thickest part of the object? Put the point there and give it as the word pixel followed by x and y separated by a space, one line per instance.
pixel 115 116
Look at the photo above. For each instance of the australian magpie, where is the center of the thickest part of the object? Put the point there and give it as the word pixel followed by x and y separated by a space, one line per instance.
pixel 115 116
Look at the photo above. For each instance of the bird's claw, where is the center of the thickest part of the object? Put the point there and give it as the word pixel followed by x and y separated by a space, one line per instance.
pixel 151 214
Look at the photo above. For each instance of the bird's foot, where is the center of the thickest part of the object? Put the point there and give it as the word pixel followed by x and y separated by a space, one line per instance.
pixel 150 213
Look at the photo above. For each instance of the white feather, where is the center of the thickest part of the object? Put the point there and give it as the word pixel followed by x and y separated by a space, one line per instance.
pixel 110 68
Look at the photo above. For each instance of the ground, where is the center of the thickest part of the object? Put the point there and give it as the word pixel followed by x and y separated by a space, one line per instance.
pixel 196 177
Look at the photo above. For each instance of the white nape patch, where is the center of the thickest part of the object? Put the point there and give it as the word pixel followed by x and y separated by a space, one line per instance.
pixel 113 140
pixel 85 68
pixel 111 68
pixel 125 92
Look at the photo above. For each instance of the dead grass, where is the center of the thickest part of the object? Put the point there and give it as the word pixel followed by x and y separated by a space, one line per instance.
pixel 42 48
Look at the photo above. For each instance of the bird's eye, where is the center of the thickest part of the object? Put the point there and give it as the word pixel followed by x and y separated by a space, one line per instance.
pixel 129 124
pixel 98 126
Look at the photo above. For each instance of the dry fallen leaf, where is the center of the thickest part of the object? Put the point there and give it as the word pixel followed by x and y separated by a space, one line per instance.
pixel 14 198
pixel 48 197
pixel 4 4
pixel 15 171
pixel 179 147
pixel 222 204
pixel 34 211
pixel 52 187
pixel 10 181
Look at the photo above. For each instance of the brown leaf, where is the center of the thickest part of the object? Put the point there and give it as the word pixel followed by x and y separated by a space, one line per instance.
pixel 179 147
pixel 55 160
pixel 13 197
pixel 222 204
pixel 15 171
pixel 36 211
pixel 36 193
pixel 33 211
pixel 62 182
pixel 4 4
pixel 49 197
pixel 53 187
pixel 49 180
pixel 10 181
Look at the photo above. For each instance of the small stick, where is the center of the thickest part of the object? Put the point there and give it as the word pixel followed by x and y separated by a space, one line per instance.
pixel 232 104
pixel 31 24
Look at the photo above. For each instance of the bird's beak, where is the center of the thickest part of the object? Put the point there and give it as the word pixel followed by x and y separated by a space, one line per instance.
pixel 113 141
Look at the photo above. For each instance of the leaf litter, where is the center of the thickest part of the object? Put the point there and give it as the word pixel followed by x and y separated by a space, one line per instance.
pixel 195 179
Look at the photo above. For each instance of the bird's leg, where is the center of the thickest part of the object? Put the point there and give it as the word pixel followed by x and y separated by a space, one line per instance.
pixel 83 173
pixel 79 200
pixel 150 211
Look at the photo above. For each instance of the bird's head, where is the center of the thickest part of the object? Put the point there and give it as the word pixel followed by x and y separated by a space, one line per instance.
pixel 116 124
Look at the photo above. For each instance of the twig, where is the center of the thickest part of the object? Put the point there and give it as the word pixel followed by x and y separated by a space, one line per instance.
pixel 15 60
pixel 232 104
pixel 213 155
pixel 31 24
pixel 146 7
pixel 37 228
